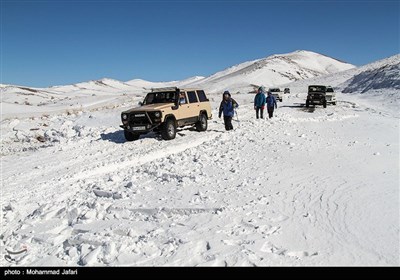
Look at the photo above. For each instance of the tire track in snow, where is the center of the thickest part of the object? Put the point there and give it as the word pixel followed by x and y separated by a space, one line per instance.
pixel 138 160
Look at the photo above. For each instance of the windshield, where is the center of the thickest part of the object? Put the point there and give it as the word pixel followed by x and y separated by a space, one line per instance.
pixel 316 89
pixel 329 90
pixel 160 97
pixel 274 90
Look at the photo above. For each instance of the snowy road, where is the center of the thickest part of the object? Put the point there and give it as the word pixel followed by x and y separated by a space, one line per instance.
pixel 309 187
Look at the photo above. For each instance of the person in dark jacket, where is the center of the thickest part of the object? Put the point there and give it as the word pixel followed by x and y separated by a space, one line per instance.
pixel 259 102
pixel 271 104
pixel 227 106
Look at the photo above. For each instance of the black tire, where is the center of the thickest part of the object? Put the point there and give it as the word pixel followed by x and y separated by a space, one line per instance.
pixel 307 103
pixel 129 136
pixel 168 130
pixel 334 103
pixel 202 124
pixel 324 103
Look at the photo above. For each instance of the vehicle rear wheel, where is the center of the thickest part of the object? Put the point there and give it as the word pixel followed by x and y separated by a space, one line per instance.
pixel 168 131
pixel 201 125
pixel 129 136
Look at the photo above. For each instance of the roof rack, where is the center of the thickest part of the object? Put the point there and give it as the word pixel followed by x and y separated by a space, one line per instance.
pixel 164 89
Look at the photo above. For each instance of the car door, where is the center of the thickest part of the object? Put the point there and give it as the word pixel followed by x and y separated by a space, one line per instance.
pixel 184 112
pixel 192 108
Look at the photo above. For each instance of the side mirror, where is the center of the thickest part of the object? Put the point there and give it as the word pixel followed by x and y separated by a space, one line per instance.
pixel 140 103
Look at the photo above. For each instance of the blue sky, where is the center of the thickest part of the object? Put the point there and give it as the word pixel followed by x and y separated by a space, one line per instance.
pixel 45 43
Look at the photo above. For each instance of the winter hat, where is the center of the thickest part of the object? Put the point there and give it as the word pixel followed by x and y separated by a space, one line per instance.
pixel 261 88
pixel 226 92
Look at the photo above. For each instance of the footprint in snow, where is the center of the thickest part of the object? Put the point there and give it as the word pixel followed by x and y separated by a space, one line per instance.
pixel 268 247
pixel 301 254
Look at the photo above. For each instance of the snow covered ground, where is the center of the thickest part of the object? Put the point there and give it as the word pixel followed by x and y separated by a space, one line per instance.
pixel 310 187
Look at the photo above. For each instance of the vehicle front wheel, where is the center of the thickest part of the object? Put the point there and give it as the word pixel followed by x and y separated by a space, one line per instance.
pixel 168 130
pixel 324 103
pixel 129 136
pixel 307 103
pixel 201 125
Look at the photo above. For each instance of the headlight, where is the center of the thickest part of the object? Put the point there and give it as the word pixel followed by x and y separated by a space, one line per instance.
pixel 124 116
pixel 157 114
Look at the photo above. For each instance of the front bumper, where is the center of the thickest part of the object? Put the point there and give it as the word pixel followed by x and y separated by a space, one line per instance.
pixel 140 128
pixel 330 99
pixel 316 101
pixel 141 122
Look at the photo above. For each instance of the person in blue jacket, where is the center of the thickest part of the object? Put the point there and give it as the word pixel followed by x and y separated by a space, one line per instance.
pixel 227 106
pixel 259 102
pixel 271 104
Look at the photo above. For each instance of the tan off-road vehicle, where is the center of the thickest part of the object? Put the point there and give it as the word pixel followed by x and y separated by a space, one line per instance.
pixel 164 110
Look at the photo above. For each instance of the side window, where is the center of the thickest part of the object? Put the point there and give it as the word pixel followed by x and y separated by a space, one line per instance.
pixel 192 96
pixel 149 99
pixel 202 96
pixel 170 97
pixel 182 98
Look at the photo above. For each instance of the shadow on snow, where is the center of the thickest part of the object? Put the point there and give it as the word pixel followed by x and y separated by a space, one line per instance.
pixel 300 106
pixel 118 136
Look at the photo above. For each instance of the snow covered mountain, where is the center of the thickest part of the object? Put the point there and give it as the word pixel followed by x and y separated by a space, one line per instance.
pixel 384 74
pixel 295 70
pixel 272 71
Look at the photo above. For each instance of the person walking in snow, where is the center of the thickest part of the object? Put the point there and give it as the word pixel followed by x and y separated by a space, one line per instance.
pixel 271 104
pixel 227 106
pixel 259 102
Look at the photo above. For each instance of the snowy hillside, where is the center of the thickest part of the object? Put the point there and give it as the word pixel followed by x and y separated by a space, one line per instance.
pixel 377 83
pixel 377 76
pixel 312 186
pixel 272 71
pixel 382 75
pixel 17 101
pixel 147 85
